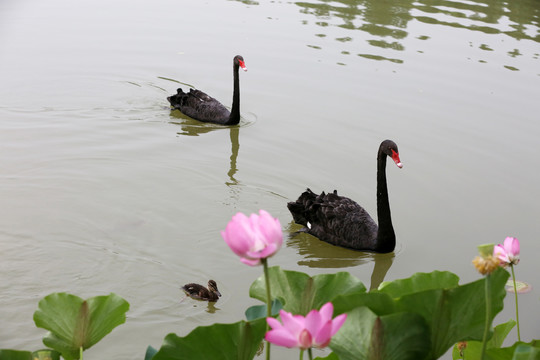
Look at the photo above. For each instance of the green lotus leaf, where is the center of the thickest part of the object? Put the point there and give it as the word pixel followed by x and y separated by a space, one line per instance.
pixel 46 354
pixel 259 311
pixel 74 323
pixel 458 313
pixel 420 282
pixel 526 352
pixel 473 349
pixel 398 336
pixel 8 354
pixel 301 293
pixel 150 352
pixel 379 303
pixel 238 341
pixel 331 356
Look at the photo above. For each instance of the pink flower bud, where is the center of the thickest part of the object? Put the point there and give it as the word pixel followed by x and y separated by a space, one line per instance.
pixel 508 252
pixel 253 238
pixel 314 330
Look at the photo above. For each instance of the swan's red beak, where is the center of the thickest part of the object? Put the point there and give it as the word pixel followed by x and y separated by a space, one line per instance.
pixel 242 65
pixel 395 157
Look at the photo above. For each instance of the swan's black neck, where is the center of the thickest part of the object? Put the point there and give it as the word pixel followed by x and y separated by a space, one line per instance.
pixel 386 238
pixel 234 118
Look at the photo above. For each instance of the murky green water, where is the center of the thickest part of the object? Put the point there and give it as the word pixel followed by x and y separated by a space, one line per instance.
pixel 104 189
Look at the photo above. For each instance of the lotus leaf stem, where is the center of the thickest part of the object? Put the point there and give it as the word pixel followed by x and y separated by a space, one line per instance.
pixel 516 295
pixel 268 301
pixel 488 315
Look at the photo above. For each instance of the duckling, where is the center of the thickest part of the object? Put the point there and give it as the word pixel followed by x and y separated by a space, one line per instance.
pixel 199 292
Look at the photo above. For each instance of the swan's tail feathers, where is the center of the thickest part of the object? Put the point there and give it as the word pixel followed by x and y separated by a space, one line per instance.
pixel 297 211
pixel 200 95
pixel 301 208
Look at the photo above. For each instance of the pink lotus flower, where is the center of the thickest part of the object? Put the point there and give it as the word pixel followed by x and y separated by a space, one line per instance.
pixel 253 238
pixel 314 330
pixel 508 252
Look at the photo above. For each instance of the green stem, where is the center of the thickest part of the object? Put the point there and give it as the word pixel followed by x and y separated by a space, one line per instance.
pixel 488 315
pixel 80 353
pixel 268 301
pixel 301 354
pixel 516 295
pixel 309 354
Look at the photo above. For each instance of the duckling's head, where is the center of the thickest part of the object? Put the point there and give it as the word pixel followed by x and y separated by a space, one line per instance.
pixel 212 286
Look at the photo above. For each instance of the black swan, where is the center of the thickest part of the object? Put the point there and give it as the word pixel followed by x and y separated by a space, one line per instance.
pixel 341 221
pixel 199 292
pixel 200 106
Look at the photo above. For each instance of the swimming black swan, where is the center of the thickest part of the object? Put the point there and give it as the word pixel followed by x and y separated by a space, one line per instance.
pixel 341 221
pixel 199 292
pixel 200 106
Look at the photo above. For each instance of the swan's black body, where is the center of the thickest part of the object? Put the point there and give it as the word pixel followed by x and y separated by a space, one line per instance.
pixel 199 292
pixel 341 221
pixel 200 106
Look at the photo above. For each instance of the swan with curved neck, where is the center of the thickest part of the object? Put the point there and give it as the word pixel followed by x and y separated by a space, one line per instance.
pixel 341 221
pixel 200 106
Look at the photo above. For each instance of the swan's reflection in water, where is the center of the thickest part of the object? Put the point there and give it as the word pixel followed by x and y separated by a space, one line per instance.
pixel 192 127
pixel 232 183
pixel 236 187
pixel 235 147
pixel 319 254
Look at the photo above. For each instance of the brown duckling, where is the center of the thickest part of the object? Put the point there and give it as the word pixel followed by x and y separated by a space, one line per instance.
pixel 199 292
